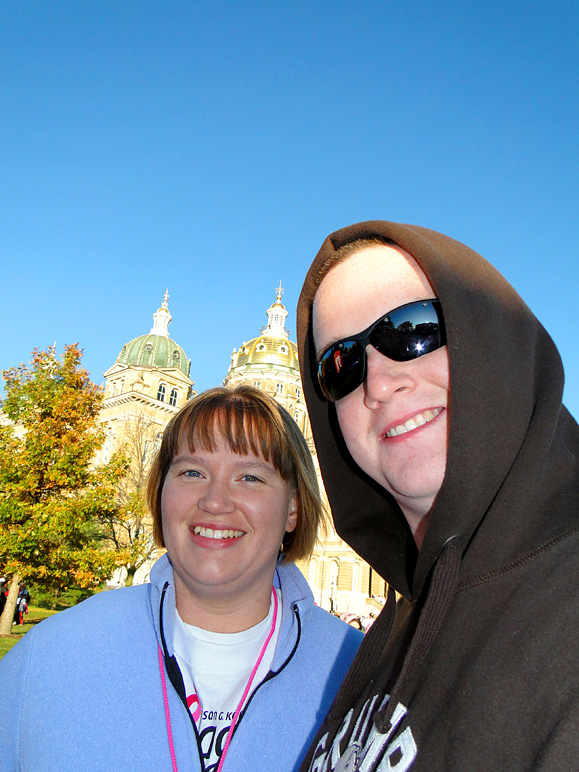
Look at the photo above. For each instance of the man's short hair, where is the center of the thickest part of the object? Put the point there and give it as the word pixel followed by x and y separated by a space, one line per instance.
pixel 347 250
pixel 249 421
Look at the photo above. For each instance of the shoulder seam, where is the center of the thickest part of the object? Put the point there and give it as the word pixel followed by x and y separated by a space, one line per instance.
pixel 519 563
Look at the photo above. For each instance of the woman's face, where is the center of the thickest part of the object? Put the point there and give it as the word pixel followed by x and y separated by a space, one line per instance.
pixel 224 518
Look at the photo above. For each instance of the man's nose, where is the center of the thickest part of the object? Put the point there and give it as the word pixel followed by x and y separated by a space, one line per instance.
pixel 384 378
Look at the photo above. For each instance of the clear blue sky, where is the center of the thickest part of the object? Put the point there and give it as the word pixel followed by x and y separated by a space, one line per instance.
pixel 209 147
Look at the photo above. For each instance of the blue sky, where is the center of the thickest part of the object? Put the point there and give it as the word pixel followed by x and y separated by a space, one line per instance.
pixel 209 147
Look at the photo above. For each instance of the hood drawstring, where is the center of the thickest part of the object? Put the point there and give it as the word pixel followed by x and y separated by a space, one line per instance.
pixel 440 595
pixel 365 662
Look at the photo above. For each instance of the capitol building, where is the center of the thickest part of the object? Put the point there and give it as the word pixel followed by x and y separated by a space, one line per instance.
pixel 151 379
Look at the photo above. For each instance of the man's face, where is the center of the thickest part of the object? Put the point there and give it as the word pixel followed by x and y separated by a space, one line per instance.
pixel 414 394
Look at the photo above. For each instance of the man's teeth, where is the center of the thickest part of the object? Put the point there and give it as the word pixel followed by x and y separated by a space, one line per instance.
pixel 414 423
pixel 211 533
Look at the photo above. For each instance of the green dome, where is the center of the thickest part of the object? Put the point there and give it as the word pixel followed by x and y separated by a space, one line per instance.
pixel 154 351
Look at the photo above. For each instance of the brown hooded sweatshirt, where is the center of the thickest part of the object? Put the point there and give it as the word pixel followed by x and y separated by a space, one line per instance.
pixel 476 668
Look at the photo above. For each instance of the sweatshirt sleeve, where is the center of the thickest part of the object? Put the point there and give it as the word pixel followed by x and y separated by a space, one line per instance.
pixel 14 668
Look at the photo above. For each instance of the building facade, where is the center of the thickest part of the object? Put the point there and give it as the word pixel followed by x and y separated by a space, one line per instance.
pixel 146 386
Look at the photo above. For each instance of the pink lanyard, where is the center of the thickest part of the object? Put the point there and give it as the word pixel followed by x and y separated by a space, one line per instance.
pixel 241 701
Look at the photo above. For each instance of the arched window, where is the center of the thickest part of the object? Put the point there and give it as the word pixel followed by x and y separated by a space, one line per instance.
pixel 298 392
pixel 312 571
pixel 106 451
pixel 279 388
pixel 334 574
pixel 173 397
pixel 162 392
pixel 355 576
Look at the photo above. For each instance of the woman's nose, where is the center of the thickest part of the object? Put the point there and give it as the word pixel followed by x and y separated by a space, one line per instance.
pixel 216 499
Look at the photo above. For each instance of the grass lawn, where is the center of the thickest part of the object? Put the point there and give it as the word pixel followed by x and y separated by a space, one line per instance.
pixel 34 616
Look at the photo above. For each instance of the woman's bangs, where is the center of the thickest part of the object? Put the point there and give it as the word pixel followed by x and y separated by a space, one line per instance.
pixel 244 427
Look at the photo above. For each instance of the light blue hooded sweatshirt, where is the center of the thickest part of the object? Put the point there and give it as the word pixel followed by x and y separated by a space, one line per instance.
pixel 83 689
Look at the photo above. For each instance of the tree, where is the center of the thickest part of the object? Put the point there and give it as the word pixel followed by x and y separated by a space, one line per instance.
pixel 128 525
pixel 51 495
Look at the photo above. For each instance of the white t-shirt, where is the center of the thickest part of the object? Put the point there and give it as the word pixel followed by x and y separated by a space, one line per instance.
pixel 216 668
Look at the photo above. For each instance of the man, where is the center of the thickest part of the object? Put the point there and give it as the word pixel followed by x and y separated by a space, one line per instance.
pixel 452 467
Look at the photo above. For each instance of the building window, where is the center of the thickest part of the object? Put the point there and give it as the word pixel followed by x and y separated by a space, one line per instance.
pixel 298 392
pixel 334 574
pixel 355 576
pixel 162 392
pixel 173 397
pixel 312 571
pixel 256 384
pixel 279 388
pixel 297 417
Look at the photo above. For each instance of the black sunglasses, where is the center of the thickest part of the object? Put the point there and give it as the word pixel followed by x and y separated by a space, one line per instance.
pixel 407 332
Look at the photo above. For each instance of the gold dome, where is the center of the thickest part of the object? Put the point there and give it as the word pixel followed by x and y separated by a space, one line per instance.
pixel 273 347
pixel 265 350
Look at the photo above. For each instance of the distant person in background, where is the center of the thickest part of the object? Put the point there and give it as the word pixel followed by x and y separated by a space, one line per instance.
pixel 352 619
pixel 223 658
pixel 21 604
pixel 452 468
pixel 368 621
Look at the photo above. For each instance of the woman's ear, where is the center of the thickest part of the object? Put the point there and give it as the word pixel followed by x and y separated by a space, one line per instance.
pixel 292 517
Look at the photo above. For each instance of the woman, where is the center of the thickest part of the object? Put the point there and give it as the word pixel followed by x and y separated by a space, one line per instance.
pixel 223 660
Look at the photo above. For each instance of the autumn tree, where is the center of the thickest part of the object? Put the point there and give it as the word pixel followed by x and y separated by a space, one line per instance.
pixel 51 495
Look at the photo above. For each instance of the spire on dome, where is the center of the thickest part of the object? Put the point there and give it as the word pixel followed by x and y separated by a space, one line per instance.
pixel 276 316
pixel 162 318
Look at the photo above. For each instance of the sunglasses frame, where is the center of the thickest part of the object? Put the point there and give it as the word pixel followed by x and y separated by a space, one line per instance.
pixel 364 338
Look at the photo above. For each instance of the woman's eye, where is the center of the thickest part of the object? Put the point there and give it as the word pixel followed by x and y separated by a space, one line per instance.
pixel 191 473
pixel 250 478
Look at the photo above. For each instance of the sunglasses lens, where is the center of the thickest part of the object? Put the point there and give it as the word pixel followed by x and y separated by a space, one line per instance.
pixel 408 333
pixel 341 369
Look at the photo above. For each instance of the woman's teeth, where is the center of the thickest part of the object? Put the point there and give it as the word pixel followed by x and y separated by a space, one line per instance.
pixel 211 533
pixel 413 423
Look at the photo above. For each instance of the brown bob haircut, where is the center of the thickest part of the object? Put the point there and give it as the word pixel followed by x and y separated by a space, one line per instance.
pixel 250 421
